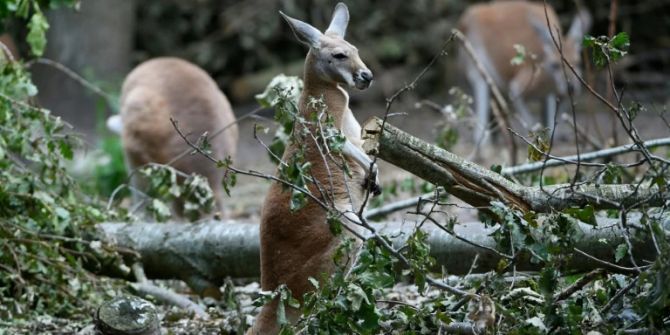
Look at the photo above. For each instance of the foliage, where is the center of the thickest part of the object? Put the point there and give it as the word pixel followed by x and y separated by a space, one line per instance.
pixel 459 109
pixel 607 50
pixel 351 299
pixel 32 10
pixel 282 94
pixel 191 193
pixel 46 222
pixel 46 227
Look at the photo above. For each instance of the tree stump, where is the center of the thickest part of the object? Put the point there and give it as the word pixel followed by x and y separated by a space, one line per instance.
pixel 127 315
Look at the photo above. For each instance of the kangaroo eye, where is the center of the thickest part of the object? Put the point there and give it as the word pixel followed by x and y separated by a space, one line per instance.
pixel 339 56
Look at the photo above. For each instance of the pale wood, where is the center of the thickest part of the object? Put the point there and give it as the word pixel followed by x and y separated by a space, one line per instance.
pixel 127 315
pixel 479 186
pixel 214 250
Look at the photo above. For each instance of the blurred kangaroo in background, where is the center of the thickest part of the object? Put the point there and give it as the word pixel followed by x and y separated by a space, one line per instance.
pixel 297 245
pixel 164 88
pixel 494 29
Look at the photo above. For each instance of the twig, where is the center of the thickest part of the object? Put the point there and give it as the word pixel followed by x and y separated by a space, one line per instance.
pixel 579 284
pixel 463 239
pixel 611 266
pixel 74 76
pixel 144 287
pixel 504 111
pixel 560 161
pixel 618 295
pixel 7 52
pixel 377 213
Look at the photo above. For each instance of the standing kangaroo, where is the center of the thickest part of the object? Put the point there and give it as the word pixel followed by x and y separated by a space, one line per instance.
pixel 164 88
pixel 298 245
pixel 493 29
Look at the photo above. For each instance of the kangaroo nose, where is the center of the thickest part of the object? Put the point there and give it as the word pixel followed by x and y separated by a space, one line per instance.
pixel 366 75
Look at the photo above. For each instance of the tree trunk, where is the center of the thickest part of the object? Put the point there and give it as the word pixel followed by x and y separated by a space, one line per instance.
pixel 479 186
pixel 213 250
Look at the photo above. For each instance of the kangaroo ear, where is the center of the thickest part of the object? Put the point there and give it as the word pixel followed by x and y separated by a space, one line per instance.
pixel 580 26
pixel 340 20
pixel 304 32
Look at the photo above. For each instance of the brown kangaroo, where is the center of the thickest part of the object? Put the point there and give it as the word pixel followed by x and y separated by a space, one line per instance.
pixel 298 245
pixel 164 88
pixel 493 29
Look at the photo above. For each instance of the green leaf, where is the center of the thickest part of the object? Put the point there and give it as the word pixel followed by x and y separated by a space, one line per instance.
pixel 314 282
pixel 586 214
pixel 621 252
pixel 621 41
pixel 65 149
pixel 356 296
pixel 548 280
pixel 607 50
pixel 520 55
pixel 37 28
pixel 334 224
pixel 160 210
pixel 541 145
pixel 229 181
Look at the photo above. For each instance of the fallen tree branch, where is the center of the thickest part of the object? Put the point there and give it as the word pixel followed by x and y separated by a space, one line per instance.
pixel 144 287
pixel 579 284
pixel 478 186
pixel 623 149
pixel 213 250
pixel 380 212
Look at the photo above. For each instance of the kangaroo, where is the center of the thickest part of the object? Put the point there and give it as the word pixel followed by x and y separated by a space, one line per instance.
pixel 164 88
pixel 298 245
pixel 493 29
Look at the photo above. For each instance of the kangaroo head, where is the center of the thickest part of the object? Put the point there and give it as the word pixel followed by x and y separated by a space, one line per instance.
pixel 336 60
pixel 572 48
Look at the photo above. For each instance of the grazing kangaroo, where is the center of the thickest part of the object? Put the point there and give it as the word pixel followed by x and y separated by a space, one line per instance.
pixel 164 88
pixel 298 245
pixel 493 29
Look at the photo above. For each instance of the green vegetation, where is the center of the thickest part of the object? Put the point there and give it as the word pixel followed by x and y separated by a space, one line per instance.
pixel 46 222
pixel 51 259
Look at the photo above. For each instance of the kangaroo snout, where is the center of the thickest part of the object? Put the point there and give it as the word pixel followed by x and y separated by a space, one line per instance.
pixel 363 79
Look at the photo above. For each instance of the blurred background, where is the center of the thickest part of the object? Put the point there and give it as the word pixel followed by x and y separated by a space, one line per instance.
pixel 243 44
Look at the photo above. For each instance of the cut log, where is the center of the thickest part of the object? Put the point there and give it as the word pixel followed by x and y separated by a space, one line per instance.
pixel 127 315
pixel 214 250
pixel 479 186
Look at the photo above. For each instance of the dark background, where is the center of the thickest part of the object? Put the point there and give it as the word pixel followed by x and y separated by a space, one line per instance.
pixel 243 44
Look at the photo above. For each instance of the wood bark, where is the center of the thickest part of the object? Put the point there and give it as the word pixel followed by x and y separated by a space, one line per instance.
pixel 214 250
pixel 127 315
pixel 479 186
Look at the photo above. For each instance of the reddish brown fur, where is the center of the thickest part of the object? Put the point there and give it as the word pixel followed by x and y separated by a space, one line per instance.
pixel 500 25
pixel 162 88
pixel 298 245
